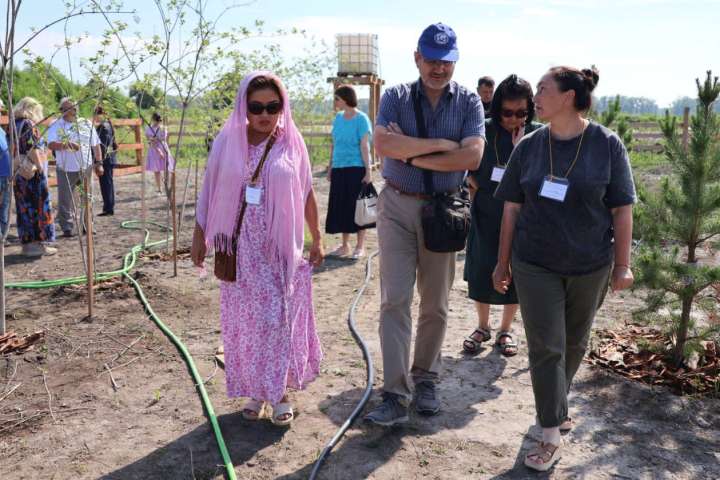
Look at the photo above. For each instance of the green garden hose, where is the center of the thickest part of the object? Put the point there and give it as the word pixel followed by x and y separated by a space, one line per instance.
pixel 128 263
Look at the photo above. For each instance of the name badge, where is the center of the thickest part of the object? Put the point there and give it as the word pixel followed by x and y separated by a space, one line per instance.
pixel 253 195
pixel 554 188
pixel 497 174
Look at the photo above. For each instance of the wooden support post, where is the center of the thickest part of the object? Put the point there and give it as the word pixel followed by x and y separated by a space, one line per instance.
pixel 2 287
pixel 87 187
pixel 140 160
pixel 686 128
pixel 174 223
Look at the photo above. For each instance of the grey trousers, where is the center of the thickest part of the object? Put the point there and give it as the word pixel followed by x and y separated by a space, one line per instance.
pixel 557 312
pixel 403 260
pixel 67 183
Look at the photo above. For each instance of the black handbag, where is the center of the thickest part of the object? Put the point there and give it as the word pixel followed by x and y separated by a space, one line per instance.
pixel 445 216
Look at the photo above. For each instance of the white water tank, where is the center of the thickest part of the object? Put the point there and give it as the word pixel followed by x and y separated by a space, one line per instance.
pixel 357 53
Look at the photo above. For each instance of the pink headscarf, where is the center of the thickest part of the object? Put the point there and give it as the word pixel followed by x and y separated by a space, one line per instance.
pixel 289 182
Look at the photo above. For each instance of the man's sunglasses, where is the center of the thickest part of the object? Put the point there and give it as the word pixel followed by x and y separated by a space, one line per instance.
pixel 518 113
pixel 272 108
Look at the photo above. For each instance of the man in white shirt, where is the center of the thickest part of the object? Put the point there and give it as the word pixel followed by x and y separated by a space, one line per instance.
pixel 76 145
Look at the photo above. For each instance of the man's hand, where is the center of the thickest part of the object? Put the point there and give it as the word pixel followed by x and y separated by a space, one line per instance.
pixel 99 170
pixel 72 146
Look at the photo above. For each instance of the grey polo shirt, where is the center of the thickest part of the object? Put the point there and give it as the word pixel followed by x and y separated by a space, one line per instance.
pixel 574 237
pixel 459 114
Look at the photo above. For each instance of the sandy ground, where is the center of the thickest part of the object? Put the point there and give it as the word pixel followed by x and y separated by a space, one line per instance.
pixel 66 421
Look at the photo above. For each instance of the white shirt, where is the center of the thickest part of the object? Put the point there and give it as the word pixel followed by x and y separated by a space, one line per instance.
pixel 81 132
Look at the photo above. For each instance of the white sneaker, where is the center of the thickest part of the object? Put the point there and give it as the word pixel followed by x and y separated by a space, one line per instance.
pixel 48 250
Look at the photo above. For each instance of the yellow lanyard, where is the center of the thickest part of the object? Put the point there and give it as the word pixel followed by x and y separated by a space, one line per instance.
pixel 497 157
pixel 577 154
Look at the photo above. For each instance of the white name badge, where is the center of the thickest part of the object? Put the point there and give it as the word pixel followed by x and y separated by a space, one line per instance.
pixel 497 174
pixel 554 188
pixel 253 195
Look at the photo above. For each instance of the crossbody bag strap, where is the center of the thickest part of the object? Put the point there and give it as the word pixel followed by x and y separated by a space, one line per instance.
pixel 422 132
pixel 256 175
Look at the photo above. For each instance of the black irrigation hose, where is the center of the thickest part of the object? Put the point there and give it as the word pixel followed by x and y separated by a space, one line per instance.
pixel 368 368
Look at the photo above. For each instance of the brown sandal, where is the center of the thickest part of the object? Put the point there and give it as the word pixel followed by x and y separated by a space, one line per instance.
pixel 472 344
pixel 508 348
pixel 546 453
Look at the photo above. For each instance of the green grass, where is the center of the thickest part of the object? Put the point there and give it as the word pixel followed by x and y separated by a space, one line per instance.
pixel 647 160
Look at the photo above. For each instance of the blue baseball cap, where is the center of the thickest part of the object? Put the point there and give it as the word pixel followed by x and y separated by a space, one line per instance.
pixel 438 42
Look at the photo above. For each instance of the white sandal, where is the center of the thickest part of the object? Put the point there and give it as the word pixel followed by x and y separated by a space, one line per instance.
pixel 543 453
pixel 282 408
pixel 253 409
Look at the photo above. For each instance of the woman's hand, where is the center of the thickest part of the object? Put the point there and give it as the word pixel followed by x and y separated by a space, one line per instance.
pixel 317 254
pixel 198 249
pixel 622 278
pixel 501 278
pixel 518 134
pixel 368 176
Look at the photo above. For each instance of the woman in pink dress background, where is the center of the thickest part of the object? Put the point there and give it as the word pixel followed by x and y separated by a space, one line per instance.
pixel 159 159
pixel 266 315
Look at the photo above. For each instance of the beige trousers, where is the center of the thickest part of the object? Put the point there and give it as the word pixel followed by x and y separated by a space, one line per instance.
pixel 403 260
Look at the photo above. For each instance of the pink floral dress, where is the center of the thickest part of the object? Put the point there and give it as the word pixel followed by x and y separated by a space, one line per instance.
pixel 268 334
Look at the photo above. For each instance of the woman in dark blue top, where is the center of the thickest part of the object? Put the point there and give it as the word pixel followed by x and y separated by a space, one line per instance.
pixel 568 193
pixel 512 112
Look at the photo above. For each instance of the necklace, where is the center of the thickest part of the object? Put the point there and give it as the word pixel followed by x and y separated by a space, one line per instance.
pixel 577 154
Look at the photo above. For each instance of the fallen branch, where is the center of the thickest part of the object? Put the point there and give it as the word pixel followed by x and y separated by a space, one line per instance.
pixel 112 379
pixel 49 398
pixel 117 357
pixel 11 390
pixel 10 343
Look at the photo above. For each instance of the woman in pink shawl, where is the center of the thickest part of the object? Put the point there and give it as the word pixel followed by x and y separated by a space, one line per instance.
pixel 267 318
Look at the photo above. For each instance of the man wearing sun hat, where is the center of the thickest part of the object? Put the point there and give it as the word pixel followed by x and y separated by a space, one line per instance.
pixel 454 122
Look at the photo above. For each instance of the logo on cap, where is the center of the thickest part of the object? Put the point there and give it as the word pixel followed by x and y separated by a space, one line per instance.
pixel 441 38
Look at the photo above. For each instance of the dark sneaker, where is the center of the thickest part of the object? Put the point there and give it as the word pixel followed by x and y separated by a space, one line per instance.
pixel 68 234
pixel 426 402
pixel 389 412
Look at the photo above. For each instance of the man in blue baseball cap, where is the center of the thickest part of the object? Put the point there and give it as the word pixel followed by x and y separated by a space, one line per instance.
pixel 452 143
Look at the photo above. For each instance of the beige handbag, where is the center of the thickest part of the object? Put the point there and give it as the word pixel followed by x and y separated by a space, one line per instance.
pixel 24 166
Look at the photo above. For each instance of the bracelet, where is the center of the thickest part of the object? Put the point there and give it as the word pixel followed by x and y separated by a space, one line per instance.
pixel 621 265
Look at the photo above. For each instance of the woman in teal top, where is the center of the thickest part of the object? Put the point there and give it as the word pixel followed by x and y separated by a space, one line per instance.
pixel 512 111
pixel 349 169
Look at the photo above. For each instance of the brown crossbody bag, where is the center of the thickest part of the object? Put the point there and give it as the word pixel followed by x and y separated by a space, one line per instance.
pixel 226 263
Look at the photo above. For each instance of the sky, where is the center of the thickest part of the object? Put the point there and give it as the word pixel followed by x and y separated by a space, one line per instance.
pixel 651 48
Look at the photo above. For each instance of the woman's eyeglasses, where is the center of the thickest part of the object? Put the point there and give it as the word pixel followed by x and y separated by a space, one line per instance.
pixel 518 113
pixel 272 108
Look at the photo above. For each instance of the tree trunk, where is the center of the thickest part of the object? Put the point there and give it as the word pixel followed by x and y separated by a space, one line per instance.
pixel 682 330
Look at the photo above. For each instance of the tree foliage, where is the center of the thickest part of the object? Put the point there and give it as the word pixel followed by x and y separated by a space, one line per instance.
pixel 674 222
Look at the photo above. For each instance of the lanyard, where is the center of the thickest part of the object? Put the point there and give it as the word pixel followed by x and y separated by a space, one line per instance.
pixel 497 157
pixel 577 154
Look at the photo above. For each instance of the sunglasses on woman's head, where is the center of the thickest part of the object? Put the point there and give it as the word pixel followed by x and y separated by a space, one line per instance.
pixel 518 113
pixel 272 108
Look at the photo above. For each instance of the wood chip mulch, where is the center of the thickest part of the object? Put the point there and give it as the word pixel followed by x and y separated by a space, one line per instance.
pixel 618 351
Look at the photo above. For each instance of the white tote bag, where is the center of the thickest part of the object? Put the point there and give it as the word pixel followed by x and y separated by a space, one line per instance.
pixel 366 206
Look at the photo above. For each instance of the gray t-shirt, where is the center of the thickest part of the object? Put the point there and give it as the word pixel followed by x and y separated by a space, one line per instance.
pixel 573 237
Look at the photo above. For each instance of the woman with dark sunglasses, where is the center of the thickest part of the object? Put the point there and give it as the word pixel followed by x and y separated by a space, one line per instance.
pixel 256 199
pixel 512 112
